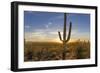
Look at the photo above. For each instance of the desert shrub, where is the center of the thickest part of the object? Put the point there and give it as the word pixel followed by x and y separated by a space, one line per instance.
pixel 34 51
pixel 29 55
pixel 83 50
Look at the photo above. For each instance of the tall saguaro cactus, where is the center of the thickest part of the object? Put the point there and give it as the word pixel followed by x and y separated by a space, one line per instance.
pixel 64 40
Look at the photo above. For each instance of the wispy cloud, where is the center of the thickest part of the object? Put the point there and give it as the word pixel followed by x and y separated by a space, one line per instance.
pixel 48 25
pixel 41 36
pixel 45 26
pixel 27 26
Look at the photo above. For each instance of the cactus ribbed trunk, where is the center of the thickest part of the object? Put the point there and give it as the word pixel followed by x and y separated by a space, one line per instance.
pixel 64 51
pixel 64 28
pixel 64 40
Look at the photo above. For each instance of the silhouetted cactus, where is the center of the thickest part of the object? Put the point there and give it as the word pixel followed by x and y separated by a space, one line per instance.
pixel 64 40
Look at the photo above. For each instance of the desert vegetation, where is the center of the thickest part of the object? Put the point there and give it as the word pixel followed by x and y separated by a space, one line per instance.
pixel 44 51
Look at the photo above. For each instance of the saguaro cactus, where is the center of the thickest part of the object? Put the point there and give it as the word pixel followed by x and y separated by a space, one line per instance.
pixel 64 40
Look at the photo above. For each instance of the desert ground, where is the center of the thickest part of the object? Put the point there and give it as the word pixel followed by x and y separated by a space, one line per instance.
pixel 47 51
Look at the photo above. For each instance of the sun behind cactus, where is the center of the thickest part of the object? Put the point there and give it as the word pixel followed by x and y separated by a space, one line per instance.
pixel 64 40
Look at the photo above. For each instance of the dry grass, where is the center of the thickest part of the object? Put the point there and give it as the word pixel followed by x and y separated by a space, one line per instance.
pixel 44 51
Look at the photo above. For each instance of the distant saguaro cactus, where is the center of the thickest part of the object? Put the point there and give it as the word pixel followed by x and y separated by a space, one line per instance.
pixel 64 40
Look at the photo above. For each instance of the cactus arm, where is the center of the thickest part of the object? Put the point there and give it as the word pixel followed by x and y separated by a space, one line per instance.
pixel 64 28
pixel 59 35
pixel 69 33
pixel 64 41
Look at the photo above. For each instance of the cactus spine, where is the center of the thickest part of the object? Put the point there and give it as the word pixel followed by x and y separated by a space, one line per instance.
pixel 64 40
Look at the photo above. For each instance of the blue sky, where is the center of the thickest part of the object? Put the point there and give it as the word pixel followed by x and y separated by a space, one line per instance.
pixel 44 26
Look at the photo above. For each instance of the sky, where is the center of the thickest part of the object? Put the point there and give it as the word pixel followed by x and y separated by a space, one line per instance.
pixel 44 26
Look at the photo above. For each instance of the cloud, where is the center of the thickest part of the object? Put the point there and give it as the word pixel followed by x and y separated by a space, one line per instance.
pixel 51 34
pixel 47 26
pixel 41 35
pixel 27 26
pixel 50 23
